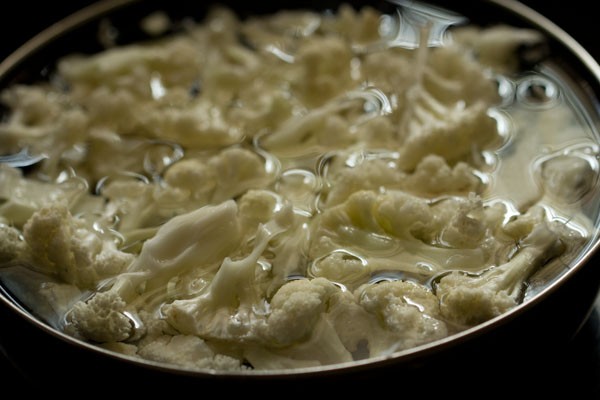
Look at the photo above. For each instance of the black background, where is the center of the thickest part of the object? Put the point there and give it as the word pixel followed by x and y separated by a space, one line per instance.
pixel 572 367
pixel 25 18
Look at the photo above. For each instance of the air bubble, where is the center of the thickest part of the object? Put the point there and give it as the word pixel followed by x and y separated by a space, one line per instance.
pixel 537 92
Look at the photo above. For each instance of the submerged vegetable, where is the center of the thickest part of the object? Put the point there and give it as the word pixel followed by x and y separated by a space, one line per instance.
pixel 288 190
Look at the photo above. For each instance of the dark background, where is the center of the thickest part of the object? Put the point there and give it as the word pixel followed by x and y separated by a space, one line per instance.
pixel 25 18
pixel 570 367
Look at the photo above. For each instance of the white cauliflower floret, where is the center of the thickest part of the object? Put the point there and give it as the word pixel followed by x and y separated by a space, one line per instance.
pixel 467 224
pixel 290 248
pixel 391 71
pixel 65 247
pixel 263 110
pixel 324 69
pixel 199 239
pixel 298 331
pixel 359 26
pixel 368 175
pixel 197 125
pixel 318 129
pixel 237 170
pixel 225 310
pixel 12 245
pixel 406 309
pixel 453 134
pixel 279 191
pixel 498 46
pixel 194 176
pixel 224 176
pixel 257 206
pixel 176 63
pixel 433 176
pixel 44 122
pixel 399 231
pixel 187 352
pixel 101 318
pixel 114 110
pixel 453 77
pixel 295 309
pixel 231 68
pixel 469 299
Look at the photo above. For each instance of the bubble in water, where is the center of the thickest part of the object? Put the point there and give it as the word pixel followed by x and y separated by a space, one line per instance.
pixel 159 155
pixel 300 186
pixel 119 176
pixel 537 92
pixel 386 277
pixel 376 102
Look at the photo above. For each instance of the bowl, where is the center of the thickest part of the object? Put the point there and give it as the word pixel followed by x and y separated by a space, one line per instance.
pixel 552 312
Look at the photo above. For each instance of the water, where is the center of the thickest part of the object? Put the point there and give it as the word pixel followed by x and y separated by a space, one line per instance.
pixel 542 130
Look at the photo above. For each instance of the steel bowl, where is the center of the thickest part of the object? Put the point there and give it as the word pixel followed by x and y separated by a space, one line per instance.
pixel 492 354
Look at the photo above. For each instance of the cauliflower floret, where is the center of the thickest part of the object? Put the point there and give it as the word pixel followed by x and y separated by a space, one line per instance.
pixel 324 69
pixel 467 224
pixel 101 318
pixel 237 170
pixel 296 308
pixel 407 309
pixel 257 206
pixel 433 176
pixel 188 352
pixel 452 134
pixel 359 26
pixel 288 250
pixel 280 184
pixel 64 246
pixel 298 331
pixel 368 175
pixel 44 122
pixel 224 176
pixel 120 347
pixel 113 109
pixel 392 70
pixel 226 309
pixel 318 129
pixel 499 46
pixel 176 63
pixel 398 231
pixel 453 78
pixel 193 176
pixel 468 299
pixel 12 245
pixel 198 239
pixel 198 125
pixel 231 68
